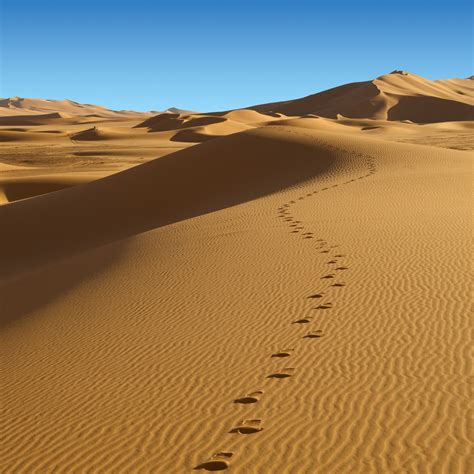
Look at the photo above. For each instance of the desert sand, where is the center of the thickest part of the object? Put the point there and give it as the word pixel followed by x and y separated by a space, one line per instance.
pixel 278 289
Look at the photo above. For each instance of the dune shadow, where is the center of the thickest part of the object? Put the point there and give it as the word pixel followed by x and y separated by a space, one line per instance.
pixel 16 190
pixel 198 180
pixel 430 109
pixel 191 136
pixel 26 293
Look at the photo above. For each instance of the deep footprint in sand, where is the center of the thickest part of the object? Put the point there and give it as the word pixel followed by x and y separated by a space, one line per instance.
pixel 325 277
pixel 314 335
pixel 338 284
pixel 316 295
pixel 282 374
pixel 324 306
pixel 283 353
pixel 248 426
pixel 217 462
pixel 303 320
pixel 253 397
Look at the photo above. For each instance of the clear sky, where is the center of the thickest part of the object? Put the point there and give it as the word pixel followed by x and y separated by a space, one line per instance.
pixel 218 54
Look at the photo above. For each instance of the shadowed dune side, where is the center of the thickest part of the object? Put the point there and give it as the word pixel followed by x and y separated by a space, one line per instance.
pixel 167 121
pixel 351 100
pixel 17 189
pixel 430 110
pixel 211 176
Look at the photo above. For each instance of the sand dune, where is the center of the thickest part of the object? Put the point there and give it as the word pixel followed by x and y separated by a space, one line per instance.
pixel 154 194
pixel 288 296
pixel 146 355
pixel 203 127
pixel 394 96
pixel 21 106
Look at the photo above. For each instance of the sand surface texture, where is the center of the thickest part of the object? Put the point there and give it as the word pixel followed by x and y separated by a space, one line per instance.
pixel 250 291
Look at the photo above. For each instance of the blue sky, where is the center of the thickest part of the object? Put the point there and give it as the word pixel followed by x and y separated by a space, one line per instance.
pixel 218 54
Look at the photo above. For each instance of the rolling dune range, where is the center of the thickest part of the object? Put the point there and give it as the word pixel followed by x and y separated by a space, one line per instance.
pixel 248 291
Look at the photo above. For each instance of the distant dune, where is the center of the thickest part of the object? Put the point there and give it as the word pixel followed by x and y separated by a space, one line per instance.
pixel 22 106
pixel 395 96
pixel 279 289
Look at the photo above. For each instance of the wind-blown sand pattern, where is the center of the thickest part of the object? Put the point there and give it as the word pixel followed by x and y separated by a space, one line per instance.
pixel 288 298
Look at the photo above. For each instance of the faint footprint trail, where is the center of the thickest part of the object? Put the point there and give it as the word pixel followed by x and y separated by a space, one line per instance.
pixel 221 460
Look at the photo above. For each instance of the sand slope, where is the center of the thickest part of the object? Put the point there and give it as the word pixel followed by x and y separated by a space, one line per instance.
pixel 319 328
pixel 242 291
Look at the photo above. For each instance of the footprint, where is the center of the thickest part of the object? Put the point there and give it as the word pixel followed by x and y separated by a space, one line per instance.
pixel 253 397
pixel 283 353
pixel 342 268
pixel 294 231
pixel 332 261
pixel 338 284
pixel 217 462
pixel 282 374
pixel 339 255
pixel 327 276
pixel 308 237
pixel 314 334
pixel 248 426
pixel 324 251
pixel 303 320
pixel 316 295
pixel 324 306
